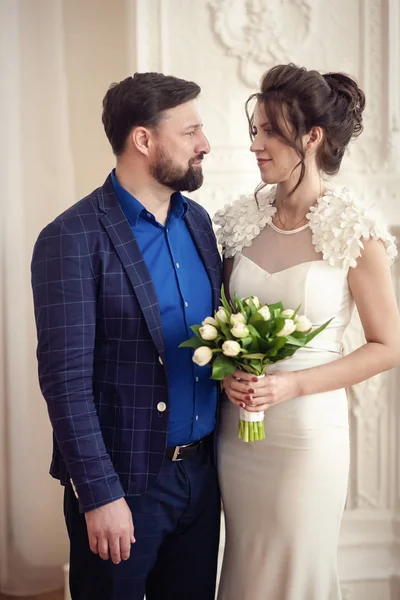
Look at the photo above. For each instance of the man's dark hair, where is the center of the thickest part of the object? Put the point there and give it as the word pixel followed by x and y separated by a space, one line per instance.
pixel 141 100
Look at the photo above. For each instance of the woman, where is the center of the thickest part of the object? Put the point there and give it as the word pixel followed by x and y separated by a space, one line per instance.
pixel 300 242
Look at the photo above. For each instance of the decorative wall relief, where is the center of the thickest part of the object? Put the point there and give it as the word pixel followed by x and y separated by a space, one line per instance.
pixel 367 402
pixel 261 34
pixel 393 93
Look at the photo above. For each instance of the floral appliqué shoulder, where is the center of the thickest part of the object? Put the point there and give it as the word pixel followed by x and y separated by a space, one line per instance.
pixel 340 223
pixel 240 222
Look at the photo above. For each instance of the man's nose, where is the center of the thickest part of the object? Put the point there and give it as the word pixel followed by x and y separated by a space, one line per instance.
pixel 203 145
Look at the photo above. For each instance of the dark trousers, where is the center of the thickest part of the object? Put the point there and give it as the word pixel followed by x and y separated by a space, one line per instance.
pixel 177 535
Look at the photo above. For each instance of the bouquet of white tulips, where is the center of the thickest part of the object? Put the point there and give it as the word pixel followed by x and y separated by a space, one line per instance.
pixel 247 336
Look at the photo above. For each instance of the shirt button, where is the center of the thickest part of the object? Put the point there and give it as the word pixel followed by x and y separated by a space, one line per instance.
pixel 161 406
pixel 197 417
pixel 160 360
pixel 197 380
pixel 186 304
pixel 149 215
pixel 177 265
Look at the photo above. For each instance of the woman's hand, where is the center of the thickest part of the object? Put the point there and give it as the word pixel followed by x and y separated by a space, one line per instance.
pixel 255 395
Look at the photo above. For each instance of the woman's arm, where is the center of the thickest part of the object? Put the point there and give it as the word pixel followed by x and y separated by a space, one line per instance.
pixel 372 289
pixel 371 286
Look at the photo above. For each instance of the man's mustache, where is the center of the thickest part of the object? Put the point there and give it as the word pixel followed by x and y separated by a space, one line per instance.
pixel 196 158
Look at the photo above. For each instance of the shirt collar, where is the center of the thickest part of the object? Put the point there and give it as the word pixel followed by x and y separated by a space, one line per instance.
pixel 133 209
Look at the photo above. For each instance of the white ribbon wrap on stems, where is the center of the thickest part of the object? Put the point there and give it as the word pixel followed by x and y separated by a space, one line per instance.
pixel 251 417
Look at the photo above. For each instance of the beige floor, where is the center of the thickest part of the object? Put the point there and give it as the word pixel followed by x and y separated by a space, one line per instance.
pixel 52 596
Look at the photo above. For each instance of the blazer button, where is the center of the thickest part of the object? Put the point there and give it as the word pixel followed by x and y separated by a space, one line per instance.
pixel 161 406
pixel 160 360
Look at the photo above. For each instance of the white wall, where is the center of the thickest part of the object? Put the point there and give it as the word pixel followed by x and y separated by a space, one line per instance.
pixel 57 59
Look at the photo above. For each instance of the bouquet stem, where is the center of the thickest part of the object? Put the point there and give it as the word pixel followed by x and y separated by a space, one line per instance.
pixel 251 432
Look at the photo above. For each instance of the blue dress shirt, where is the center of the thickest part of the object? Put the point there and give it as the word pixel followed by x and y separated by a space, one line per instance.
pixel 185 298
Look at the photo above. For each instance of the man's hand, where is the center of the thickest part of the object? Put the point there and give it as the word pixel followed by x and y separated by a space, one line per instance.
pixel 110 530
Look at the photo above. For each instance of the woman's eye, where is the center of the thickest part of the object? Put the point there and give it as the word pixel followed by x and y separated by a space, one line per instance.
pixel 254 131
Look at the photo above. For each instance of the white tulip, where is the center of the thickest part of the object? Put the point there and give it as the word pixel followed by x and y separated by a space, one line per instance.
pixel 265 313
pixel 210 321
pixel 256 301
pixel 221 315
pixel 208 332
pixel 303 324
pixel 231 348
pixel 240 330
pixel 288 328
pixel 237 319
pixel 287 314
pixel 202 356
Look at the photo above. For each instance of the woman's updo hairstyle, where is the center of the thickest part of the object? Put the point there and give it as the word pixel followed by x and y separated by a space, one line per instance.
pixel 306 99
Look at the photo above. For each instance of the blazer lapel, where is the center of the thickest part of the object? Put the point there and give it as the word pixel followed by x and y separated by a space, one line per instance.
pixel 207 252
pixel 131 258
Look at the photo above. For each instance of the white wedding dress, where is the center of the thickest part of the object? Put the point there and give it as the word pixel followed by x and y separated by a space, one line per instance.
pixel 284 496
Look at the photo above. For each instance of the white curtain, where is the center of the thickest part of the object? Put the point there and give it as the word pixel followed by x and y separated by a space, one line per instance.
pixel 57 58
pixel 37 183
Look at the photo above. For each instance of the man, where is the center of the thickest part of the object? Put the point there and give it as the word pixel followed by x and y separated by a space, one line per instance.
pixel 117 281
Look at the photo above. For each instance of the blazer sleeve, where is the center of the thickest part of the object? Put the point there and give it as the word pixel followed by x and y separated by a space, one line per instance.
pixel 64 294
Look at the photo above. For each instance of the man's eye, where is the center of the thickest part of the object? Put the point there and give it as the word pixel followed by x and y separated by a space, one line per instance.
pixel 191 133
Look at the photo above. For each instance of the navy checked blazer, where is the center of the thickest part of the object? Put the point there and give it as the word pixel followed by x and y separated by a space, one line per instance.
pixel 100 346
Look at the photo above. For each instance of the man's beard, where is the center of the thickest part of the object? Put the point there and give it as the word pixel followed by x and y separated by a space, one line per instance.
pixel 168 173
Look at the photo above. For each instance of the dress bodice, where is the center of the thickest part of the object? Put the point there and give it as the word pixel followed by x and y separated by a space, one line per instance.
pixel 320 289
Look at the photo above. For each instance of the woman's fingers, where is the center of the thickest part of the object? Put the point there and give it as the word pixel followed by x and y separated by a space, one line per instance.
pixel 236 398
pixel 245 387
pixel 252 395
pixel 242 375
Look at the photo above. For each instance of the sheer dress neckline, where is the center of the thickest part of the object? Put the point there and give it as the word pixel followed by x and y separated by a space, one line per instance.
pixel 288 231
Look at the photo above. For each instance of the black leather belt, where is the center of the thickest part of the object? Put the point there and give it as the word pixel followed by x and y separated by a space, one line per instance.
pixel 175 453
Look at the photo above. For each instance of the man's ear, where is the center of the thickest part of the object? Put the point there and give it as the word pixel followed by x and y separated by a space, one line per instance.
pixel 140 138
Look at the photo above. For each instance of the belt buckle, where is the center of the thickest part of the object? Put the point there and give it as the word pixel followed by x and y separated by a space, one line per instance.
pixel 175 456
